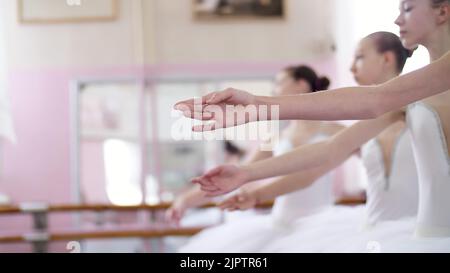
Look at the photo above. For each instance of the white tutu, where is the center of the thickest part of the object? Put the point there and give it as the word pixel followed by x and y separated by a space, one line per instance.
pixel 396 237
pixel 341 230
pixel 246 235
pixel 251 233
pixel 317 232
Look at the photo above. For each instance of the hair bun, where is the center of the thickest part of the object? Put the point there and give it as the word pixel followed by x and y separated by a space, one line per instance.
pixel 322 83
pixel 410 52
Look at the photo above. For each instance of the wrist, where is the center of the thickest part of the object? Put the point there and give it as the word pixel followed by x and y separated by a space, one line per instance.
pixel 248 174
pixel 181 204
pixel 257 196
pixel 271 107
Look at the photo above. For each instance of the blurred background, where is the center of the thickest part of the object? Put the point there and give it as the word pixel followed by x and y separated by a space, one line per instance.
pixel 87 89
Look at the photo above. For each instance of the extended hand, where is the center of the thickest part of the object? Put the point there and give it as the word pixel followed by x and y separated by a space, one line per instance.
pixel 241 201
pixel 223 109
pixel 176 212
pixel 221 180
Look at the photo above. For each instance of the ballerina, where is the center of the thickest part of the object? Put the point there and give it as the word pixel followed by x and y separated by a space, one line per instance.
pixel 392 191
pixel 425 22
pixel 388 158
pixel 263 228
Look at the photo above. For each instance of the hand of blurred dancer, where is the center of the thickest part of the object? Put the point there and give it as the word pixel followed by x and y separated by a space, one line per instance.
pixel 243 200
pixel 222 180
pixel 223 109
pixel 191 198
pixel 176 212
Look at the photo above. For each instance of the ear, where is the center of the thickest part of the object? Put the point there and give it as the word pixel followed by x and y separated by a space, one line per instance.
pixel 303 86
pixel 389 58
pixel 443 13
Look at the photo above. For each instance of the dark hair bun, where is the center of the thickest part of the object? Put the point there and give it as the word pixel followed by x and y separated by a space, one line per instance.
pixel 322 83
pixel 410 52
pixel 306 73
pixel 233 149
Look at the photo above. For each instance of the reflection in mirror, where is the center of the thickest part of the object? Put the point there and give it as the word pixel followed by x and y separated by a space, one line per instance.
pixel 109 143
pixel 127 151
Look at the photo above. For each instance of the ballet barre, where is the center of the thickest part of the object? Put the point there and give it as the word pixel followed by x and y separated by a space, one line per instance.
pixel 35 207
pixel 32 208
pixel 40 237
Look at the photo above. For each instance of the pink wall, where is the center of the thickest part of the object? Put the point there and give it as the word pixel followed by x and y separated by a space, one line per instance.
pixel 37 168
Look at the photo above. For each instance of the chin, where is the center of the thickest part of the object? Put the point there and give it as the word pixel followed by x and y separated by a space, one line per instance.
pixel 358 81
pixel 408 44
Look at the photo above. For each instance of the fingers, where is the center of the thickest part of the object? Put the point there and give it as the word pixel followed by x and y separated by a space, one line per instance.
pixel 228 204
pixel 189 104
pixel 184 105
pixel 209 188
pixel 206 128
pixel 201 181
pixel 218 97
pixel 198 114
pixel 212 98
pixel 205 185
pixel 173 216
pixel 194 110
pixel 230 207
pixel 169 215
pixel 214 172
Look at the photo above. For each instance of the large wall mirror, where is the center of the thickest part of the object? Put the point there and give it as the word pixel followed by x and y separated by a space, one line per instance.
pixel 124 150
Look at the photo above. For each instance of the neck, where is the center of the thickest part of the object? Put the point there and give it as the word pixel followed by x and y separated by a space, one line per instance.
pixel 387 77
pixel 438 44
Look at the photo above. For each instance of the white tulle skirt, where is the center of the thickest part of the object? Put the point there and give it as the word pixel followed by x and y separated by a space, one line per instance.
pixel 336 229
pixel 343 230
pixel 242 236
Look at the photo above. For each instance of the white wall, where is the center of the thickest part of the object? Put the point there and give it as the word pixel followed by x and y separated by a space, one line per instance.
pixel 163 31
pixel 74 45
pixel 6 126
pixel 305 33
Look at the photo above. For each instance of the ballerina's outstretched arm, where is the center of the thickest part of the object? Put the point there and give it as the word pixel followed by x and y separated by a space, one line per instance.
pixel 341 104
pixel 249 197
pixel 328 154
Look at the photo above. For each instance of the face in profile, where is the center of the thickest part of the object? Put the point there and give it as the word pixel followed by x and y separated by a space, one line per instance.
pixel 368 64
pixel 286 85
pixel 417 20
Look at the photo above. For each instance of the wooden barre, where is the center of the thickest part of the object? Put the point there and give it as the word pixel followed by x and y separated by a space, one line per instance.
pixel 351 202
pixel 104 207
pixel 83 207
pixel 162 206
pixel 80 235
pixel 148 233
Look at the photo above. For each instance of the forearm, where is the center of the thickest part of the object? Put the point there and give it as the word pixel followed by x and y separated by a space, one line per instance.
pixel 364 102
pixel 288 184
pixel 329 153
pixel 260 155
pixel 340 104
pixel 194 198
pixel 299 159
pixel 417 85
